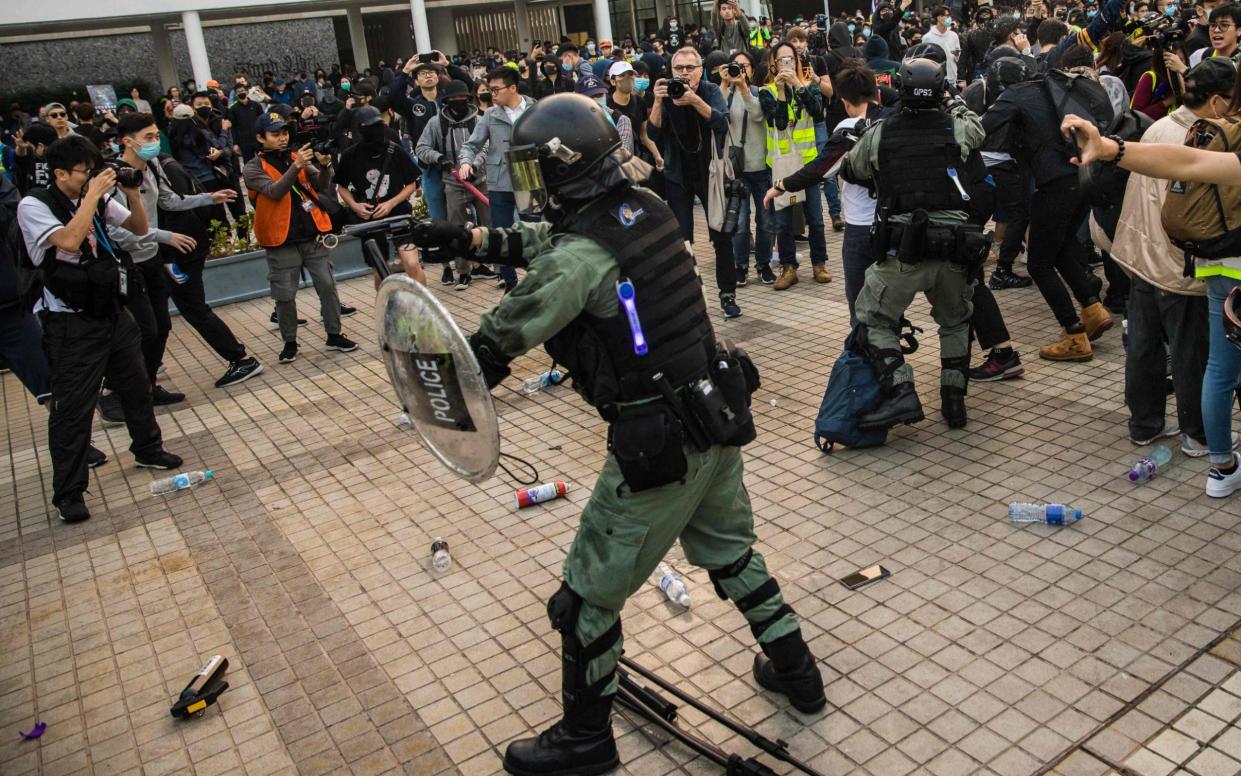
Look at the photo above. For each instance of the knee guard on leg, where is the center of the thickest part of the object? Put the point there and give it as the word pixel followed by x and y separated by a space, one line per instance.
pixel 762 604
pixel 885 361
pixel 563 610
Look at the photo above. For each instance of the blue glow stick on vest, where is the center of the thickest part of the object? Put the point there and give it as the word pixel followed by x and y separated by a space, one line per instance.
pixel 625 293
pixel 952 173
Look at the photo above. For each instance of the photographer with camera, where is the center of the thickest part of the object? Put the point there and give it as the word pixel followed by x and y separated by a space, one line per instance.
pixel 688 115
pixel 1223 28
pixel 88 334
pixel 791 105
pixel 375 178
pixel 289 222
pixel 202 145
pixel 747 130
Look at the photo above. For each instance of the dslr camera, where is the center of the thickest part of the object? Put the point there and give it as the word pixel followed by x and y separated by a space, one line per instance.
pixel 677 87
pixel 734 196
pixel 734 69
pixel 126 177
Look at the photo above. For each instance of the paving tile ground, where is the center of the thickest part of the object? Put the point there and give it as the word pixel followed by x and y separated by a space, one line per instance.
pixel 1108 646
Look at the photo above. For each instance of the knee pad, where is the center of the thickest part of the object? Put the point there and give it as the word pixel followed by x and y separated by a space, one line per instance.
pixel 563 610
pixel 769 589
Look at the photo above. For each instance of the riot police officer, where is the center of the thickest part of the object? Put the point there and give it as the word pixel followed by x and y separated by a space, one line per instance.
pixel 919 162
pixel 612 292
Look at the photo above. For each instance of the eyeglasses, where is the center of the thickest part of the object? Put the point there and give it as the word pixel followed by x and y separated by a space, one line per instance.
pixel 1222 26
pixel 86 171
pixel 497 89
pixel 685 68
pixel 58 115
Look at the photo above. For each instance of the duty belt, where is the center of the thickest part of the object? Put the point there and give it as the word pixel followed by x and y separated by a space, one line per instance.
pixel 962 244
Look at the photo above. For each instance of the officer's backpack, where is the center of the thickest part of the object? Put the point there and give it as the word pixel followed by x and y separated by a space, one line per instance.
pixel 1204 219
pixel 852 391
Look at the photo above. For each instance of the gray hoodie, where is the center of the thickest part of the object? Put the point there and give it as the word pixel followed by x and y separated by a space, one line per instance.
pixel 442 140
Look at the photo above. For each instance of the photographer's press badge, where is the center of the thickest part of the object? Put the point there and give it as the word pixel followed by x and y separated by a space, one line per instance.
pixel 437 379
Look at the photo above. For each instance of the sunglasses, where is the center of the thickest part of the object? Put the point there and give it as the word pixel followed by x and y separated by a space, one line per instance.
pixel 58 115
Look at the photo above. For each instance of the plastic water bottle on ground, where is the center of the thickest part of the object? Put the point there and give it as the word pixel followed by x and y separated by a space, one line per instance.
pixel 539 382
pixel 182 481
pixel 673 584
pixel 1145 469
pixel 404 423
pixel 1051 514
pixel 440 559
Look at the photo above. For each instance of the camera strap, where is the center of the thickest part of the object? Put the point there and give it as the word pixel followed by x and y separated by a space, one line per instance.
pixel 389 152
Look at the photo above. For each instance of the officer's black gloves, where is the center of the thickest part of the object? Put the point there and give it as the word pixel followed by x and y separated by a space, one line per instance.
pixel 490 358
pixel 442 240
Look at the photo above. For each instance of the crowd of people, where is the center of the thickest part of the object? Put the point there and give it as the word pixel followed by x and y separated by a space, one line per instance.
pixel 114 207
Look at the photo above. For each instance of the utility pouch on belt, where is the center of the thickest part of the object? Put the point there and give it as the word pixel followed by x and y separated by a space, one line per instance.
pixel 971 246
pixel 913 238
pixel 93 287
pixel 736 379
pixel 648 442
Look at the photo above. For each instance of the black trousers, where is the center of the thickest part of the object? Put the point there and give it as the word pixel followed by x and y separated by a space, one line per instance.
pixel 21 344
pixel 987 322
pixel 81 352
pixel 1012 195
pixel 146 292
pixel 680 198
pixel 191 300
pixel 1156 317
pixel 1055 257
pixel 237 207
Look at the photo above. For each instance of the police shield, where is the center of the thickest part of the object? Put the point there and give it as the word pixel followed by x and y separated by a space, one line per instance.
pixel 437 378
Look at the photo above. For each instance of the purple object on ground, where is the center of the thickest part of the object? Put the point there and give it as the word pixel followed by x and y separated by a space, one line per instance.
pixel 35 732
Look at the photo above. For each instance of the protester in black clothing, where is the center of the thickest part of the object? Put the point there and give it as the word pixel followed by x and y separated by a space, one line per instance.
pixel 87 333
pixel 30 168
pixel 243 114
pixel 345 127
pixel 375 177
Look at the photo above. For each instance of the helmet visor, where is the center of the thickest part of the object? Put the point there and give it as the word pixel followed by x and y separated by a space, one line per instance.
pixel 529 188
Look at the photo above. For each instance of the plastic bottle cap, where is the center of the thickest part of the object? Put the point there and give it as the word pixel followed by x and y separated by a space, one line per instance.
pixel 1077 513
pixel 209 475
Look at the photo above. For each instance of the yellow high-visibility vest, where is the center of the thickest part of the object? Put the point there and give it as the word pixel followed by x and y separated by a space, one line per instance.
pixel 801 127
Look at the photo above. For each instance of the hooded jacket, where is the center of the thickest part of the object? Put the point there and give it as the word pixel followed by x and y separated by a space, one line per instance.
pixel 441 142
pixel 878 56
pixel 1141 246
pixel 840 47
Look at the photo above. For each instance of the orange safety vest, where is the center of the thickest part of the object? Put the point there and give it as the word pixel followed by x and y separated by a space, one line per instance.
pixel 272 216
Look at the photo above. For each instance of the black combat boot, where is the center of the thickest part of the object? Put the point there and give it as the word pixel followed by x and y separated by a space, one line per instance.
pixel 952 404
pixel 901 405
pixel 787 667
pixel 580 744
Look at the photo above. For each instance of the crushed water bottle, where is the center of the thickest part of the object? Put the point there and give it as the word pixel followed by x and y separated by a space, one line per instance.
pixel 673 584
pixel 440 559
pixel 1051 514
pixel 404 423
pixel 180 481
pixel 539 382
pixel 1145 469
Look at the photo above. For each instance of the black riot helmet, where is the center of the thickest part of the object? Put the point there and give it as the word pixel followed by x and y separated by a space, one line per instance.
pixel 931 51
pixel 564 146
pixel 922 84
pixel 1003 73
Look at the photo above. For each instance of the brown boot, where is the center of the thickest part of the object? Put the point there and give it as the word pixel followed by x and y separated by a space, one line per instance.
pixel 787 279
pixel 821 275
pixel 1071 347
pixel 1097 320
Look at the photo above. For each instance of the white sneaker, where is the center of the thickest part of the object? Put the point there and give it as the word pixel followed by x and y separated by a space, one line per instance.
pixel 1220 485
pixel 1195 449
pixel 1167 432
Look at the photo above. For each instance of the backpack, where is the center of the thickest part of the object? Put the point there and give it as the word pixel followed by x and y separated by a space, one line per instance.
pixel 1204 219
pixel 1103 185
pixel 1073 93
pixel 852 391
pixel 23 283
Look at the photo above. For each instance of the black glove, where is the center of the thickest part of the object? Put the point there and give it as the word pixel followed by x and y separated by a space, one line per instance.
pixel 491 359
pixel 442 237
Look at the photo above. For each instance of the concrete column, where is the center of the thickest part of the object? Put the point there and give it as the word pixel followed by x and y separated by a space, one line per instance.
pixel 163 56
pixel 442 29
pixel 603 20
pixel 357 38
pixel 525 38
pixel 422 31
pixel 197 46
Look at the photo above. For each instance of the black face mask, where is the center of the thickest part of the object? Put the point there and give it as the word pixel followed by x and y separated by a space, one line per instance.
pixel 203 113
pixel 485 98
pixel 457 109
pixel 373 135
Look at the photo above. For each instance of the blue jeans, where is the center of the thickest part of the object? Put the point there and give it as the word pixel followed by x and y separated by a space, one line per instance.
pixel 814 227
pixel 758 183
pixel 503 215
pixel 857 256
pixel 1223 369
pixel 433 192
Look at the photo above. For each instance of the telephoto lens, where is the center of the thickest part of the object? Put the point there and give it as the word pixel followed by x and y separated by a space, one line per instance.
pixel 677 87
pixel 734 70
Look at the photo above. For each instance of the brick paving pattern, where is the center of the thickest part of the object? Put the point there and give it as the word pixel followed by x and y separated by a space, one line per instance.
pixel 1108 646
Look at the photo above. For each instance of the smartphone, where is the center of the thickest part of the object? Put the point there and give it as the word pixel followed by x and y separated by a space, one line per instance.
pixel 865 577
pixel 426 59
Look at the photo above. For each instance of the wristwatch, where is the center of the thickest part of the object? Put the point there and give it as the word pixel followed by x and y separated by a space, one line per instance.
pixel 779 186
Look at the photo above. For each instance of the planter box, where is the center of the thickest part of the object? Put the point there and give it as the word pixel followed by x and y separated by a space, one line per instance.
pixel 244 276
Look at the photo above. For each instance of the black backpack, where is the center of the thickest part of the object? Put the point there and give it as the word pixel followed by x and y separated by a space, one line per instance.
pixel 21 283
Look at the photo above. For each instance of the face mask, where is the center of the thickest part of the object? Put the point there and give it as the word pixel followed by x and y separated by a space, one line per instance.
pixel 624 86
pixel 373 135
pixel 485 98
pixel 590 47
pixel 866 32
pixel 947 22
pixel 457 109
pixel 641 84
pixel 148 151
pixel 566 67
pixel 852 27
pixel 1091 13
pixel 203 113
pixel 344 85
pixel 1170 10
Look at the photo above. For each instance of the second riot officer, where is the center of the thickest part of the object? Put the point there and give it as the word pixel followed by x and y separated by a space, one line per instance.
pixel 920 162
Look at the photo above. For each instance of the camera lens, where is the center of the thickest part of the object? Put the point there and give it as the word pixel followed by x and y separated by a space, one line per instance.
pixel 734 70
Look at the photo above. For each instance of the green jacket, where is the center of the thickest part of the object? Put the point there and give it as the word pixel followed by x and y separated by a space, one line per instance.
pixel 568 275
pixel 863 159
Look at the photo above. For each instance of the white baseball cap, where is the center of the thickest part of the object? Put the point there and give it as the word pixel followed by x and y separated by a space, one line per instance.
pixel 619 68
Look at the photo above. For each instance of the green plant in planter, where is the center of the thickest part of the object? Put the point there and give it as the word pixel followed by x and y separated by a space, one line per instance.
pixel 420 207
pixel 224 240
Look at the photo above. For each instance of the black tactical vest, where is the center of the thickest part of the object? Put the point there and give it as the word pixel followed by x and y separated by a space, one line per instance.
pixel 640 231
pixel 93 285
pixel 916 150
